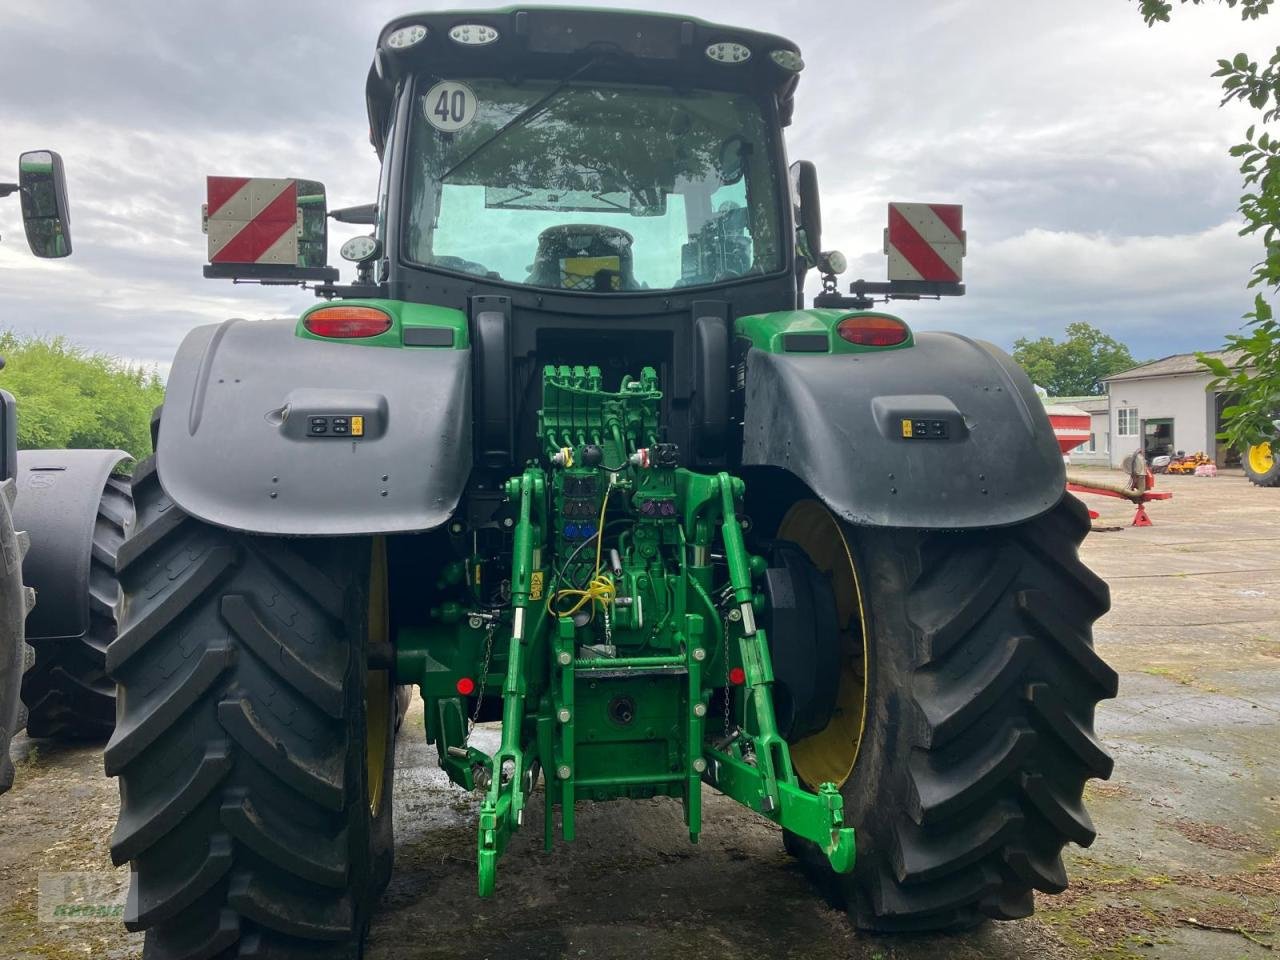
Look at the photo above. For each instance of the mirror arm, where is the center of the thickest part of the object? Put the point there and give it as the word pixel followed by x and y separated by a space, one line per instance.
pixel 8 188
pixel 364 213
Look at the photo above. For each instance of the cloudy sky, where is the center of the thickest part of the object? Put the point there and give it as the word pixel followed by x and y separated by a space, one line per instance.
pixel 1089 152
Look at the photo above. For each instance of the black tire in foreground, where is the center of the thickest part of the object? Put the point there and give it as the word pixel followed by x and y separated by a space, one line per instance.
pixel 15 656
pixel 66 691
pixel 980 687
pixel 254 820
pixel 1260 466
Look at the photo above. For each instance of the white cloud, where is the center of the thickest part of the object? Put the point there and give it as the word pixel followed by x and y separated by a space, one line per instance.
pixel 1089 151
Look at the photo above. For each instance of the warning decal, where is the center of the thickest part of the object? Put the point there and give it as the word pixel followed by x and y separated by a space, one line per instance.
pixel 925 241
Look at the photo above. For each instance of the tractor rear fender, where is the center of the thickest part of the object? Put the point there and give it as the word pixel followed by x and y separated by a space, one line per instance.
pixel 59 492
pixel 948 433
pixel 238 444
pixel 8 436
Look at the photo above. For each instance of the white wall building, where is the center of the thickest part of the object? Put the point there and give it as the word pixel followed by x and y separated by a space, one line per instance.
pixel 1165 406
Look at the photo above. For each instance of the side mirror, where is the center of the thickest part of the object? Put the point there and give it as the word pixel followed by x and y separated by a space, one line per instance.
pixel 733 159
pixel 267 230
pixel 808 210
pixel 313 233
pixel 45 217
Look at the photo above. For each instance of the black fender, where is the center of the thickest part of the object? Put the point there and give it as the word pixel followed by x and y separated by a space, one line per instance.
pixel 235 448
pixel 15 600
pixel 59 492
pixel 836 421
pixel 8 436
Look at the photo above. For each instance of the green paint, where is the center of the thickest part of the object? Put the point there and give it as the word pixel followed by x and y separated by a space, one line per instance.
pixel 404 316
pixel 614 702
pixel 766 330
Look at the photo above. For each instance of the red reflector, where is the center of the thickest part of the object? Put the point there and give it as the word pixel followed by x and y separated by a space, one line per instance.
pixel 466 686
pixel 737 676
pixel 346 323
pixel 873 331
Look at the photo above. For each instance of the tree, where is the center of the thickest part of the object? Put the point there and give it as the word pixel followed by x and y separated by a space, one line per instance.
pixel 1076 366
pixel 1255 377
pixel 70 397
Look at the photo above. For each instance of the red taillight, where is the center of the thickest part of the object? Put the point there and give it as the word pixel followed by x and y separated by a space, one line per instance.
pixel 466 686
pixel 346 323
pixel 873 331
pixel 737 676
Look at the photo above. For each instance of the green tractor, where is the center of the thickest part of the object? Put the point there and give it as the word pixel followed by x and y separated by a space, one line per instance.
pixel 571 457
pixel 73 509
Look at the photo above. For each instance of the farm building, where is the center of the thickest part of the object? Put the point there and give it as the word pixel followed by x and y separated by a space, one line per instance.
pixel 1165 406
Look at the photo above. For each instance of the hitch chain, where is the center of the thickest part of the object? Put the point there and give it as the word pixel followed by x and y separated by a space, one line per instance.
pixel 484 679
pixel 728 687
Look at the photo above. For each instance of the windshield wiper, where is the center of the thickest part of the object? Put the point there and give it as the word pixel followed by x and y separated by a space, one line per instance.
pixel 523 117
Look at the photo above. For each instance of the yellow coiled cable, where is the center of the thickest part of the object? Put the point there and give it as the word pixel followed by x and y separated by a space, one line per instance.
pixel 600 588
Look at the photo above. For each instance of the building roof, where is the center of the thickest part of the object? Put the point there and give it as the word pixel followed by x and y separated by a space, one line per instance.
pixel 1178 364
pixel 1094 403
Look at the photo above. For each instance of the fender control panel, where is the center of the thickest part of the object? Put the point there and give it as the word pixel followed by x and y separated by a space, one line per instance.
pixel 344 427
pixel 924 429
pixel 312 413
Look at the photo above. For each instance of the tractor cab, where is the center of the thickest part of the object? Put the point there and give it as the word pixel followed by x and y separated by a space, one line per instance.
pixel 558 156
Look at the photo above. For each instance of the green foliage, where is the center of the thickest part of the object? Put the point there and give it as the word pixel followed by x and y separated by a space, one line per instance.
pixel 1075 367
pixel 1255 378
pixel 1158 10
pixel 70 397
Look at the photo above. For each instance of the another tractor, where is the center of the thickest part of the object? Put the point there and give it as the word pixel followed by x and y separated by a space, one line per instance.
pixel 1260 464
pixel 571 456
pixel 73 510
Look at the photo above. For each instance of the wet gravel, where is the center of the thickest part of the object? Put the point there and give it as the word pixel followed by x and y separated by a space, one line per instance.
pixel 1186 864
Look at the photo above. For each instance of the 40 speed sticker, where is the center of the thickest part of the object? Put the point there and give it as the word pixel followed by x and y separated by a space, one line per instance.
pixel 449 106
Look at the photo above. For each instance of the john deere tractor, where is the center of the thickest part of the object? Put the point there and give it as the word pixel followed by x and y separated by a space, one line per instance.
pixel 571 457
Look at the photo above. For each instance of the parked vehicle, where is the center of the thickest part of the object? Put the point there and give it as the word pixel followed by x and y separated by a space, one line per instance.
pixel 571 455
pixel 61 514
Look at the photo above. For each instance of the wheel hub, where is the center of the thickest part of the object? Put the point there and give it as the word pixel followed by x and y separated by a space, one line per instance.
pixel 1260 458
pixel 828 755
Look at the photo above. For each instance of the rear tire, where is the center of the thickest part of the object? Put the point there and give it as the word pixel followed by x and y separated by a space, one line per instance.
pixel 981 682
pixel 15 656
pixel 1260 466
pixel 241 748
pixel 67 692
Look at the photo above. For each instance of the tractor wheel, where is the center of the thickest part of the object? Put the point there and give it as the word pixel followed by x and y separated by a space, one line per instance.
pixel 963 734
pixel 255 746
pixel 67 692
pixel 1260 466
pixel 15 655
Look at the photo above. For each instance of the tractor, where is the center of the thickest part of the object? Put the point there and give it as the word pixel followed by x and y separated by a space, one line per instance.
pixel 72 509
pixel 572 457
pixel 1259 465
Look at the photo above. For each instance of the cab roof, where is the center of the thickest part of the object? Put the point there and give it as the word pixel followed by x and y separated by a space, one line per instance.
pixel 552 42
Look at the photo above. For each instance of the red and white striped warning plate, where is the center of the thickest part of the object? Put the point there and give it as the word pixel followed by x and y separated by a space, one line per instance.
pixel 252 220
pixel 925 241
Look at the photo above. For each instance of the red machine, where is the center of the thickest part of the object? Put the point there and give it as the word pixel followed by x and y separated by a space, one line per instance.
pixel 1139 491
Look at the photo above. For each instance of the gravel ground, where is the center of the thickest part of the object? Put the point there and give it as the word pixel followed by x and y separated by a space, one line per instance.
pixel 1187 863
